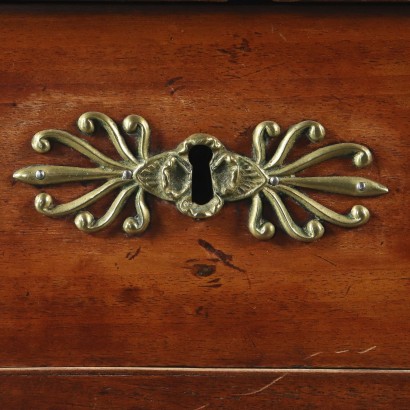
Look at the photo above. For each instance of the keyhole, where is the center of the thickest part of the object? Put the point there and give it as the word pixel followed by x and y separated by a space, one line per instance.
pixel 200 156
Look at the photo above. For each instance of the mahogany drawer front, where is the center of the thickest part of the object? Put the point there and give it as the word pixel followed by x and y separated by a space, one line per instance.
pixel 101 301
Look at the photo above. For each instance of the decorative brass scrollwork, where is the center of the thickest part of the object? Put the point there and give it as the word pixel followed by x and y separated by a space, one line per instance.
pixel 169 176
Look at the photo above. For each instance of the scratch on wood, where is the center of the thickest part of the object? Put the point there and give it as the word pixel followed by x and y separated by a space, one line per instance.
pixel 272 29
pixel 341 351
pixel 347 291
pixel 217 285
pixel 326 260
pixel 202 407
pixel 312 355
pixel 262 388
pixel 132 255
pixel 283 37
pixel 170 82
pixel 251 340
pixel 367 350
pixel 223 257
pixel 173 80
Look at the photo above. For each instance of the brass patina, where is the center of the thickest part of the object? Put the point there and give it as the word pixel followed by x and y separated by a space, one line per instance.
pixel 234 177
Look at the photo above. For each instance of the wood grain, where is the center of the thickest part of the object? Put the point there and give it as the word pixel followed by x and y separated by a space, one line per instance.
pixel 179 390
pixel 67 298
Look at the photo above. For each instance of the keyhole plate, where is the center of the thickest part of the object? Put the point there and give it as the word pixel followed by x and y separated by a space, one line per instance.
pixel 200 157
pixel 200 151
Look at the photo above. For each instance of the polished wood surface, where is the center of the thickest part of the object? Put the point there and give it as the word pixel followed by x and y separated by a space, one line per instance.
pixel 197 391
pixel 205 294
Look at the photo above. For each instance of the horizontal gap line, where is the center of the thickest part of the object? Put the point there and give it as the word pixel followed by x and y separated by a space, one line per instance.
pixel 129 370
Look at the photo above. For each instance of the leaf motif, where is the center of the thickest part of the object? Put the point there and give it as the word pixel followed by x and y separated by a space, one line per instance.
pixel 166 176
pixel 246 178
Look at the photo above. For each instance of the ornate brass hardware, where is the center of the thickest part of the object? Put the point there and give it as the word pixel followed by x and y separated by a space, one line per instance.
pixel 169 176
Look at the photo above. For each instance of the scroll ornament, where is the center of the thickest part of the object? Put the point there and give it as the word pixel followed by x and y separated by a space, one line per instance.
pixel 169 176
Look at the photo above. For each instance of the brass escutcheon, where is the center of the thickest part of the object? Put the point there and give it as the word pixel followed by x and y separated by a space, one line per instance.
pixel 233 177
